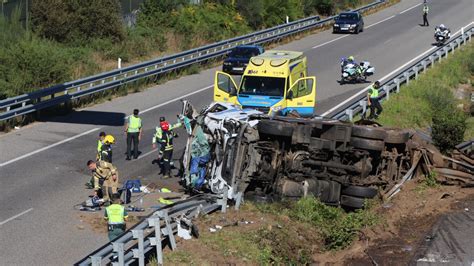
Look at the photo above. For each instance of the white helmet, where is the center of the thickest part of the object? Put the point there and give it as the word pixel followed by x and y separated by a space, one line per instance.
pixel 442 26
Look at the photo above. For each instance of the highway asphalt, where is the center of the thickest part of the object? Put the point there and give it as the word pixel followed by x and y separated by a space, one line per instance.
pixel 43 165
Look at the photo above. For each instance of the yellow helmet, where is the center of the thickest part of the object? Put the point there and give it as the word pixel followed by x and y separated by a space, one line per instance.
pixel 109 139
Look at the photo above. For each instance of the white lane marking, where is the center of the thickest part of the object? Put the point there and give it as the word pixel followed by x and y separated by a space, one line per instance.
pixel 386 76
pixel 95 129
pixel 383 20
pixel 408 9
pixel 146 154
pixel 16 216
pixel 317 46
pixel 48 147
pixel 176 99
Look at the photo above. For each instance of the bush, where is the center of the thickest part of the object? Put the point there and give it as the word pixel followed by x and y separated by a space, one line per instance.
pixel 207 23
pixel 448 129
pixel 29 63
pixel 77 21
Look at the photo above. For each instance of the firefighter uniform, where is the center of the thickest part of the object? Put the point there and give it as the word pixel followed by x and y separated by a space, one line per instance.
pixel 164 137
pixel 103 181
pixel 116 215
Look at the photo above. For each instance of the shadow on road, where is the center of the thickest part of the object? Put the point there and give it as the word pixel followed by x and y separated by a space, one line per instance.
pixel 88 118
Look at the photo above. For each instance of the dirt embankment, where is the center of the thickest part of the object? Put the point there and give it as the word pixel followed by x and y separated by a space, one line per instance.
pixel 405 223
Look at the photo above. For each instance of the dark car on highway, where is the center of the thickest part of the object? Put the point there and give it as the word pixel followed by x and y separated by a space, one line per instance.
pixel 239 57
pixel 348 22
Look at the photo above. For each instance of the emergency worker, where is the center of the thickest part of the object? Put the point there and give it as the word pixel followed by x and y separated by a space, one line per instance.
pixel 115 214
pixel 105 178
pixel 106 149
pixel 373 100
pixel 426 9
pixel 133 129
pixel 163 139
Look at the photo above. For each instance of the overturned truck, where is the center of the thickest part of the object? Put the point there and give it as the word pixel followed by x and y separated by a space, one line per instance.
pixel 289 157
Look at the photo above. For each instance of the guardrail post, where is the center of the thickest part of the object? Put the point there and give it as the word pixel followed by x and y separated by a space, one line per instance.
pixel 363 104
pixel 397 81
pixel 238 200
pixel 387 92
pixel 415 68
pixel 350 114
pixel 424 65
pixel 96 260
pixel 118 247
pixel 432 60
pixel 440 55
pixel 154 221
pixel 139 253
pixel 223 201
pixel 164 214
pixel 446 50
pixel 407 77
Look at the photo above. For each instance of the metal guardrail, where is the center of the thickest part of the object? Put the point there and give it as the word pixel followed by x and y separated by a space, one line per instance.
pixel 466 147
pixel 156 229
pixel 359 104
pixel 63 93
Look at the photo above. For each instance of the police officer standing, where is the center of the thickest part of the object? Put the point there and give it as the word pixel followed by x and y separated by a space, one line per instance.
pixel 105 178
pixel 133 129
pixel 373 100
pixel 116 216
pixel 164 137
pixel 426 9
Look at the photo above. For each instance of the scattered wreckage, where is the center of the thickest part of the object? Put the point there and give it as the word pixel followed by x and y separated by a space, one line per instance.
pixel 243 151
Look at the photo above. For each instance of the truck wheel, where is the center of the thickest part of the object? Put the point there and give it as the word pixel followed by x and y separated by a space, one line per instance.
pixel 275 128
pixel 369 132
pixel 358 191
pixel 397 137
pixel 352 202
pixel 367 144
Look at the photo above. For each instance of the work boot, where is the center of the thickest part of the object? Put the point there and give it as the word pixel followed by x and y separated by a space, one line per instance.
pixel 128 158
pixel 166 176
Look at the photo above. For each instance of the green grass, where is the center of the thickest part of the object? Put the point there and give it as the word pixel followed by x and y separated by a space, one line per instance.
pixel 421 100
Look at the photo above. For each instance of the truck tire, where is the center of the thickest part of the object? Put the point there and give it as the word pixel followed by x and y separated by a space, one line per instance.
pixel 352 202
pixel 275 128
pixel 358 191
pixel 397 137
pixel 367 144
pixel 369 132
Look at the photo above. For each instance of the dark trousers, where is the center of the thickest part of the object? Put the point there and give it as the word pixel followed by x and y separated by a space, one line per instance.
pixel 375 104
pixel 132 137
pixel 114 233
pixel 166 159
pixel 425 20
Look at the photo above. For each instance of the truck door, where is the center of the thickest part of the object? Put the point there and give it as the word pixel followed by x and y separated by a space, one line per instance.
pixel 225 89
pixel 301 96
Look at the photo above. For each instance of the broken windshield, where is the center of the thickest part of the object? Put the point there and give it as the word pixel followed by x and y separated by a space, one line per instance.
pixel 265 86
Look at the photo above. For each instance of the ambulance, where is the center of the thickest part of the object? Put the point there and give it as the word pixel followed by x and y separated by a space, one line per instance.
pixel 274 82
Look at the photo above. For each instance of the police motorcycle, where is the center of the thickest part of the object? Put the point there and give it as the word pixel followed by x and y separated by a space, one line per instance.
pixel 354 73
pixel 441 35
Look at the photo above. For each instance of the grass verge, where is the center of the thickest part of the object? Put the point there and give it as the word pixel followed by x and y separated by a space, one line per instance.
pixel 444 90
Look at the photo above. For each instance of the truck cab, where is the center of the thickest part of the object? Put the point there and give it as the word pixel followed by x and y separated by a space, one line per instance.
pixel 274 82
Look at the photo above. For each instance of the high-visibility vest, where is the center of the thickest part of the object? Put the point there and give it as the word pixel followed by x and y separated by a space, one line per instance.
pixel 115 214
pixel 99 145
pixel 374 93
pixel 426 9
pixel 134 124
